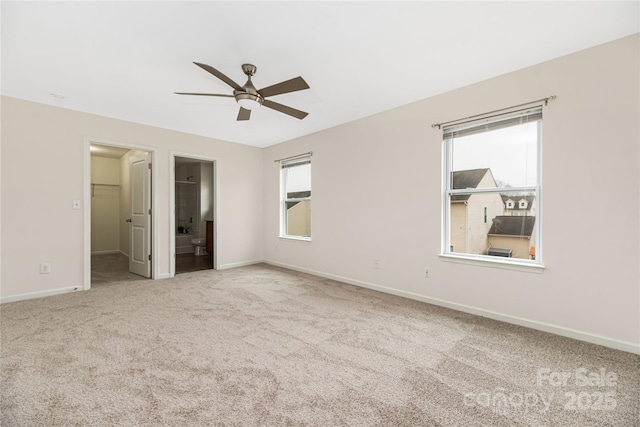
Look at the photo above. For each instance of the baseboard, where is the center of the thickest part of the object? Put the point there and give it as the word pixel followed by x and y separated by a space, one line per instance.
pixel 238 264
pixel 163 276
pixel 529 323
pixel 41 294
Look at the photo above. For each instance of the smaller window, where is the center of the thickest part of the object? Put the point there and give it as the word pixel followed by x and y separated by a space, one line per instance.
pixel 295 181
pixel 522 204
pixel 510 204
pixel 485 214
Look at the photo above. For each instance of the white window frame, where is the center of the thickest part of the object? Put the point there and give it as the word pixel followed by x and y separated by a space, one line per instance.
pixel 306 158
pixel 447 253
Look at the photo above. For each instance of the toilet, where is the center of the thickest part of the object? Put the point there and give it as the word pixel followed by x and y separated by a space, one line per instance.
pixel 199 243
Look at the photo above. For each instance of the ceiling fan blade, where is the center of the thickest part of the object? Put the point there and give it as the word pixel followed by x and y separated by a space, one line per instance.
pixel 291 85
pixel 243 114
pixel 203 94
pixel 284 109
pixel 219 75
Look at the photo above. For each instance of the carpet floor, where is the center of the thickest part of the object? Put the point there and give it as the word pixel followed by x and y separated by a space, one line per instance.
pixel 264 346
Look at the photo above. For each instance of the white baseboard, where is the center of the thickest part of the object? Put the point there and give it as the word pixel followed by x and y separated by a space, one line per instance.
pixel 238 264
pixel 163 276
pixel 41 294
pixel 529 323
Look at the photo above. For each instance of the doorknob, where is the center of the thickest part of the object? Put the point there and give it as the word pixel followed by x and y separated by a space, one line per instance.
pixel 128 220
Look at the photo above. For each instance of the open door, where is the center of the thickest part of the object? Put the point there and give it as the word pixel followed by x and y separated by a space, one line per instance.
pixel 140 219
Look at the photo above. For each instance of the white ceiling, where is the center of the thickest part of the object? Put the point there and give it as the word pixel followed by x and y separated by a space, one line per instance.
pixel 125 59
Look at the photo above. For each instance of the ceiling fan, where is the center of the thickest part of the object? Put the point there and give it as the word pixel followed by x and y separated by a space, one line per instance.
pixel 249 98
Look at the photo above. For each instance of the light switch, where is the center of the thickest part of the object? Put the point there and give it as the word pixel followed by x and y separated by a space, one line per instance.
pixel 76 204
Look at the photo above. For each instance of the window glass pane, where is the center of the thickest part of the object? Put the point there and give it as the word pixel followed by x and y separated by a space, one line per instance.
pixel 296 213
pixel 510 154
pixel 493 218
pixel 298 218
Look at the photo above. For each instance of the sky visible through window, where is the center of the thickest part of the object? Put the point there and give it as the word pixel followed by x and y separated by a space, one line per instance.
pixel 510 153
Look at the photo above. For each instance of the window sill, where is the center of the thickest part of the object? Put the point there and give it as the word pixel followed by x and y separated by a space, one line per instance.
pixel 483 261
pixel 295 238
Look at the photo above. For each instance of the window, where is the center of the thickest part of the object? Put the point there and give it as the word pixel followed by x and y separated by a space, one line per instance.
pixel 487 162
pixel 295 181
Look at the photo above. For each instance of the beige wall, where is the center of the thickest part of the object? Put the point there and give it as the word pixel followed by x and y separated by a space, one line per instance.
pixel 377 195
pixel 105 205
pixel 52 140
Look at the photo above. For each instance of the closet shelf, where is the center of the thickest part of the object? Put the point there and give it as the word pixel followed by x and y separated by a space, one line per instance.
pixel 93 187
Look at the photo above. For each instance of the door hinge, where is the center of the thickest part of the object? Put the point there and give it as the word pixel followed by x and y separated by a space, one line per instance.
pixel 149 257
pixel 149 165
pixel 149 211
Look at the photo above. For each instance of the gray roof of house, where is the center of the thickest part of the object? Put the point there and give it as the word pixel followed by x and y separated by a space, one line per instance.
pixel 466 179
pixel 513 225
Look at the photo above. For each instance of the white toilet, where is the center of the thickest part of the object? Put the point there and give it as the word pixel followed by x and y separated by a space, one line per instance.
pixel 199 243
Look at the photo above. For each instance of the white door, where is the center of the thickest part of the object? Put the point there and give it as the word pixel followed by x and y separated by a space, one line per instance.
pixel 140 219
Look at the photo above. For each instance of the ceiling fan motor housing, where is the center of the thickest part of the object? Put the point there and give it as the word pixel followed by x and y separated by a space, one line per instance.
pixel 249 91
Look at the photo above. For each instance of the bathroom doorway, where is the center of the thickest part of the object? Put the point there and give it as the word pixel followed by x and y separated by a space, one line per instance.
pixel 194 219
pixel 118 238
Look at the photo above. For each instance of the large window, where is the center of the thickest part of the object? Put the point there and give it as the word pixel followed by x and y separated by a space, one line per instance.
pixel 295 181
pixel 492 188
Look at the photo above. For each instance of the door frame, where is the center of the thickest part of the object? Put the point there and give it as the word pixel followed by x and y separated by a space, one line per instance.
pixel 87 203
pixel 172 204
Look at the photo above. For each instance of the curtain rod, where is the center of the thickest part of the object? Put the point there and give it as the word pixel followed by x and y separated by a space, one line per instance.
pixel 310 153
pixel 460 121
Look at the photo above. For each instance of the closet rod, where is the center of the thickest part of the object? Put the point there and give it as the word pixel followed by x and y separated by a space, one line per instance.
pixel 93 187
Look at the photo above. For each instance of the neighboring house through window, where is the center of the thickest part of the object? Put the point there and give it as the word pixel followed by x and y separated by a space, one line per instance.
pixel 295 181
pixel 492 169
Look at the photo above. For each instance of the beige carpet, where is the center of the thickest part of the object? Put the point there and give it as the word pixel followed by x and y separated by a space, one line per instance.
pixel 265 346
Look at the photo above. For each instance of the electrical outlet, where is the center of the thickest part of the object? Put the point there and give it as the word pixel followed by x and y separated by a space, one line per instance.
pixel 427 272
pixel 376 264
pixel 45 268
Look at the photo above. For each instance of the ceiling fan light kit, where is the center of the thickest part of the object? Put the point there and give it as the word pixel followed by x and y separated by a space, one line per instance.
pixel 249 101
pixel 249 98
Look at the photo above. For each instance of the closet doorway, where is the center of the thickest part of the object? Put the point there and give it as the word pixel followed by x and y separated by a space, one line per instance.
pixel 118 214
pixel 194 219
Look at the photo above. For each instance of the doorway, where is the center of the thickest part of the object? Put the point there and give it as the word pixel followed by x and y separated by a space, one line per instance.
pixel 193 197
pixel 118 214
